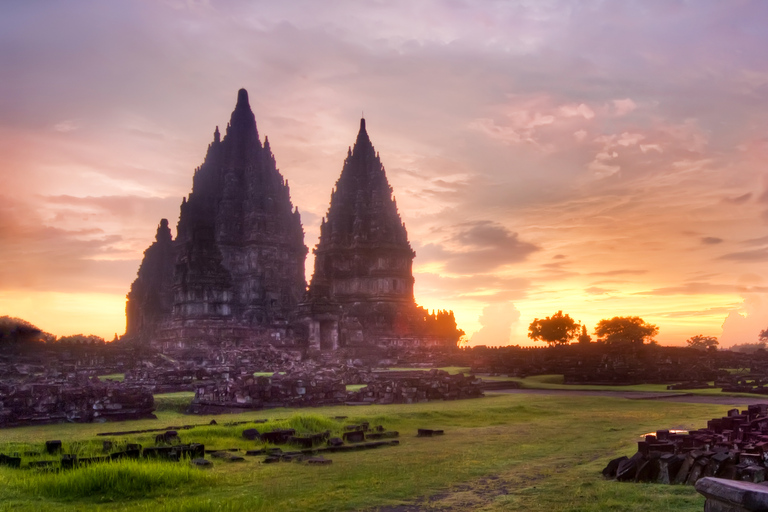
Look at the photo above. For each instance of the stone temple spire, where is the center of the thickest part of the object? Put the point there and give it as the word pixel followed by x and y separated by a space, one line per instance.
pixel 363 253
pixel 361 293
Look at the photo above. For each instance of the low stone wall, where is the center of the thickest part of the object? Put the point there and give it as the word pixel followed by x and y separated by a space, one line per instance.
pixel 84 402
pixel 328 387
pixel 417 386
pixel 734 447
pixel 298 390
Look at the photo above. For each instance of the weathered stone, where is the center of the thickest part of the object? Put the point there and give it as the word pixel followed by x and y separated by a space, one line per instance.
pixel 251 434
pixel 732 496
pixel 53 447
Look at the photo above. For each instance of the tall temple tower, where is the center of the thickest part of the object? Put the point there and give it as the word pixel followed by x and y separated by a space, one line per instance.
pixel 361 292
pixel 238 259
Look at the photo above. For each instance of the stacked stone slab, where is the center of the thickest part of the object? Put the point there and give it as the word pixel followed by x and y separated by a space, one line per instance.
pixel 753 382
pixel 40 403
pixel 418 386
pixel 734 447
pixel 297 390
pixel 328 387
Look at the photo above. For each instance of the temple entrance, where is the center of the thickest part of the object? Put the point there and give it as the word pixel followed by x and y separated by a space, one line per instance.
pixel 328 335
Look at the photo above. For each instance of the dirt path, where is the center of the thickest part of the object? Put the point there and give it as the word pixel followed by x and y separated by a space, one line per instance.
pixel 644 395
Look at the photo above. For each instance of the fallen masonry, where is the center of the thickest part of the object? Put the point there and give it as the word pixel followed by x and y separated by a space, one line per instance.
pixel 37 403
pixel 734 447
pixel 307 447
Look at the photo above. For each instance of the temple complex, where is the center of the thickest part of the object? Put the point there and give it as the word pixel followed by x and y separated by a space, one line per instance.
pixel 234 275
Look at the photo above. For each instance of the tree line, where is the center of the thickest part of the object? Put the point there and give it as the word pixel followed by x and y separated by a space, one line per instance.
pixel 561 329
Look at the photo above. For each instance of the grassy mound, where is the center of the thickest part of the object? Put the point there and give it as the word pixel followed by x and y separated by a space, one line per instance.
pixel 114 481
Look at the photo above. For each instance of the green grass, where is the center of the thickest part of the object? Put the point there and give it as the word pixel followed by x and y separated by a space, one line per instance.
pixel 355 387
pixel 501 452
pixel 112 481
pixel 453 370
pixel 176 402
pixel 119 377
pixel 556 382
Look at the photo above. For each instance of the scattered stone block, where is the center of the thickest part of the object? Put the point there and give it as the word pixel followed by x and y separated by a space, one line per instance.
pixel 251 434
pixel 355 436
pixel 52 447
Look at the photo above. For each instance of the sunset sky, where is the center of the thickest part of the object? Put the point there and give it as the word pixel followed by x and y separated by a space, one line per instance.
pixel 603 158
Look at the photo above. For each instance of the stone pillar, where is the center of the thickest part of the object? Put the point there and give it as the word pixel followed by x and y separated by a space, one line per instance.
pixel 732 495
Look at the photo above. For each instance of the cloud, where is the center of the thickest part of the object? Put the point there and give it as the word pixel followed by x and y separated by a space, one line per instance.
pixel 702 288
pixel 620 272
pixel 596 290
pixel 753 255
pixel 478 247
pixel 743 198
pixel 477 288
pixel 744 323
pixel 711 240
pixel 623 107
pixel 497 321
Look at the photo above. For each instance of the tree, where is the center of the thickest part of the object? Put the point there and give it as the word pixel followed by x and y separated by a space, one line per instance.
pixel 557 329
pixel 763 336
pixel 625 330
pixel 701 342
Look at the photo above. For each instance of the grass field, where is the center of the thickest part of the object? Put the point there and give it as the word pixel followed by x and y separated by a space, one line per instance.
pixel 501 452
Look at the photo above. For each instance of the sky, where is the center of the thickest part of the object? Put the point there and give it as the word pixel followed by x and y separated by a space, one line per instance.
pixel 603 158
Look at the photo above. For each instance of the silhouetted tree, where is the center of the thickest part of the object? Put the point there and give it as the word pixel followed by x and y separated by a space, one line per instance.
pixel 16 330
pixel 557 329
pixel 701 342
pixel 625 330
pixel 81 339
pixel 763 336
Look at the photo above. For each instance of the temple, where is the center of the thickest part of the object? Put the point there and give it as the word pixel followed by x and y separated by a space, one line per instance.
pixel 361 293
pixel 235 272
pixel 234 275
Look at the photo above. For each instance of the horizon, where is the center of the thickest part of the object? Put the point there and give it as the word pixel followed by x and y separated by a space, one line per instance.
pixel 603 160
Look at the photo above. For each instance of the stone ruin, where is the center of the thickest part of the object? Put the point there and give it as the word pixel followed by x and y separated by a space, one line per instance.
pixel 407 387
pixel 84 401
pixel 328 387
pixel 734 447
pixel 309 448
pixel 235 272
pixel 600 364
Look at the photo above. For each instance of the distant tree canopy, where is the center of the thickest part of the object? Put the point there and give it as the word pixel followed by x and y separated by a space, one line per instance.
pixel 747 348
pixel 625 330
pixel 16 330
pixel 81 339
pixel 557 329
pixel 701 342
pixel 763 336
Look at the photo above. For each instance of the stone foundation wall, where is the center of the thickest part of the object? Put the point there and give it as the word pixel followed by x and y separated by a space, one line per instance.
pixel 40 403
